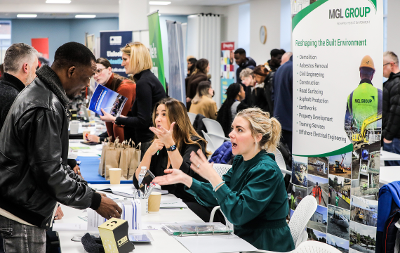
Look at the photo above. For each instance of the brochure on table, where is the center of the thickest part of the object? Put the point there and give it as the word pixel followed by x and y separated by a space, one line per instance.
pixel 337 128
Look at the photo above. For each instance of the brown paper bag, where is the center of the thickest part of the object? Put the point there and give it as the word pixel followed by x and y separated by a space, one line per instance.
pixel 113 156
pixel 102 165
pixel 134 154
pixel 125 159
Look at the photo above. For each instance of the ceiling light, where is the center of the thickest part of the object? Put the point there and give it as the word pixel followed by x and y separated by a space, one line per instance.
pixel 26 15
pixel 58 1
pixel 85 16
pixel 159 3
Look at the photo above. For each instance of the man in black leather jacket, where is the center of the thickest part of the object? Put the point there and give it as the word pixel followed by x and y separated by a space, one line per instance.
pixel 391 106
pixel 34 150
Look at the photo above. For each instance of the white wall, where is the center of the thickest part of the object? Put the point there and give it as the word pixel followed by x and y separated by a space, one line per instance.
pixel 264 12
pixel 393 20
pixel 286 26
pixel 230 23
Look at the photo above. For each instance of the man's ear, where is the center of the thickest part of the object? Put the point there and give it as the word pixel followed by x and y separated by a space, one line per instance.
pixel 25 67
pixel 71 71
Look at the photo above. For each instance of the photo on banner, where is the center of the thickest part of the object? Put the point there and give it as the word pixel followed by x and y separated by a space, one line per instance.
pixel 337 115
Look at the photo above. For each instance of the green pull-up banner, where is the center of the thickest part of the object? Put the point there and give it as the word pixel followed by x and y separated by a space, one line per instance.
pixel 156 51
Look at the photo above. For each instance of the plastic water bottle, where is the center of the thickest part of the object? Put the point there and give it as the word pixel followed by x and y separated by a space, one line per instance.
pixel 143 170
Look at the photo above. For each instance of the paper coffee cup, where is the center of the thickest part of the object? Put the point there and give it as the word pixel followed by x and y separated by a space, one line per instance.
pixel 154 202
pixel 74 127
pixel 85 135
pixel 115 175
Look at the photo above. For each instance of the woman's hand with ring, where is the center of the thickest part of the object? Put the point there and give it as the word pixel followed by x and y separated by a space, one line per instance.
pixel 201 166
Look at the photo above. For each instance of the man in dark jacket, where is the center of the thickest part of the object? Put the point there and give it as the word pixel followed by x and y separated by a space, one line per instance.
pixel 391 105
pixel 34 150
pixel 21 62
pixel 243 62
pixel 283 100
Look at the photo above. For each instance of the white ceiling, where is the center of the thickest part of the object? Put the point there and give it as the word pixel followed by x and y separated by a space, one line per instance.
pixel 102 8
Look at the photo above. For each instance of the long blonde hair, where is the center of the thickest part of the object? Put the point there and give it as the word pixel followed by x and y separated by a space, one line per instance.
pixel 183 129
pixel 261 123
pixel 140 58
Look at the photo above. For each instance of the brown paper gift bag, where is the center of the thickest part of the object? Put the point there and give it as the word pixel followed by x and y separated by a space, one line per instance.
pixel 102 165
pixel 125 159
pixel 134 154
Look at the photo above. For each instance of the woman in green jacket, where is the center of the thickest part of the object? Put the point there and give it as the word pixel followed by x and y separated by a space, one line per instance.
pixel 252 193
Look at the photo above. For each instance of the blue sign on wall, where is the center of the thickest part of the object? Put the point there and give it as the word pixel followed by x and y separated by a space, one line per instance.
pixel 110 48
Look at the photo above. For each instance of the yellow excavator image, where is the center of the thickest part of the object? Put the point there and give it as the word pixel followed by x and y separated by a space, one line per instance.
pixel 359 139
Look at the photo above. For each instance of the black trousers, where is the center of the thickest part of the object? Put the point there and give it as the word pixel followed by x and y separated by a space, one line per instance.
pixel 204 212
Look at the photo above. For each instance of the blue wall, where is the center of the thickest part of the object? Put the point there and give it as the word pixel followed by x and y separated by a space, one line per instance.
pixel 59 31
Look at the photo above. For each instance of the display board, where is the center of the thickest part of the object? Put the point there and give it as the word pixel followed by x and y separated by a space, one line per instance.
pixel 227 67
pixel 111 43
pixel 156 50
pixel 337 118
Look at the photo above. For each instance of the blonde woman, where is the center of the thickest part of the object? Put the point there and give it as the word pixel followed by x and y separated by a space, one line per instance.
pixel 149 91
pixel 252 193
pixel 202 103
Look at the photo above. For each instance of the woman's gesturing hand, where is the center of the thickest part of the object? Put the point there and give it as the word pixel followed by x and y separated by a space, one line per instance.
pixel 173 176
pixel 155 146
pixel 164 135
pixel 201 166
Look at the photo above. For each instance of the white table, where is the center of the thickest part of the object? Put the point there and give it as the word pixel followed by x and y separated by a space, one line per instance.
pixel 389 174
pixel 162 241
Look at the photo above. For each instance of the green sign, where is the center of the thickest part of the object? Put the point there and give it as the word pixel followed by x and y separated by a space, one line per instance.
pixel 156 51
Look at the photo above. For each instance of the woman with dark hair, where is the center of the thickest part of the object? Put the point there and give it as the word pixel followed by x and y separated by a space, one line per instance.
pixel 191 66
pixel 137 61
pixel 261 94
pixel 234 95
pixel 124 86
pixel 199 74
pixel 202 103
pixel 174 140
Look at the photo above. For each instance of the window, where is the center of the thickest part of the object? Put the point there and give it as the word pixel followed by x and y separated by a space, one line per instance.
pixel 5 38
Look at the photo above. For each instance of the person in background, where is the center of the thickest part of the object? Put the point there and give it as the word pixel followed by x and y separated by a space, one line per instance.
pixel 199 75
pixel 149 91
pixel 234 95
pixel 283 100
pixel 191 66
pixel 252 194
pixel 261 94
pixel 391 105
pixel 119 84
pixel 34 149
pixel 1 71
pixel 285 57
pixel 202 103
pixel 174 140
pixel 249 82
pixel 275 62
pixel 243 62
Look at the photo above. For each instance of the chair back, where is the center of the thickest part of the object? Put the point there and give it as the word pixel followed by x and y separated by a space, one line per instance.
pixel 210 144
pixel 315 247
pixel 300 217
pixel 281 162
pixel 213 127
pixel 221 169
pixel 192 117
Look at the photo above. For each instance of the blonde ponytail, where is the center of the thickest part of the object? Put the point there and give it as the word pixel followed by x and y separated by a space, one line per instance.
pixel 261 123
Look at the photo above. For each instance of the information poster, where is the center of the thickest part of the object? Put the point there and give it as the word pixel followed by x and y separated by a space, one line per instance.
pixel 110 48
pixel 227 67
pixel 156 50
pixel 337 113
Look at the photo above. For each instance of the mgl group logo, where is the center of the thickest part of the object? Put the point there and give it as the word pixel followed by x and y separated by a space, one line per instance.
pixel 358 12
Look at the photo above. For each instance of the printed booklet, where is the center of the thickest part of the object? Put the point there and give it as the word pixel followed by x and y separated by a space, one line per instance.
pixel 108 100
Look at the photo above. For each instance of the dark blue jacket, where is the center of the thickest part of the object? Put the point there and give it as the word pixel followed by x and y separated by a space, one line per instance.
pixel 223 154
pixel 388 215
pixel 283 95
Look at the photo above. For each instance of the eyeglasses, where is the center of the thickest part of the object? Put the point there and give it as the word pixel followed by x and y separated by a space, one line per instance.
pixel 386 64
pixel 98 71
